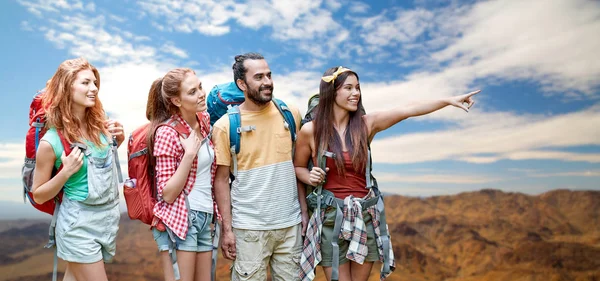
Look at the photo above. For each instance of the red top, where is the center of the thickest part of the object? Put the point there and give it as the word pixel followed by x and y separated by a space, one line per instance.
pixel 353 183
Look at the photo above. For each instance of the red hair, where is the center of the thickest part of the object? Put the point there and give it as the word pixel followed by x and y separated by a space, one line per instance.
pixel 58 100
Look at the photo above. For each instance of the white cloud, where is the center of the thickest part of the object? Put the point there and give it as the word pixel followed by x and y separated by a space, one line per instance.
pixel 588 173
pixel 407 26
pixel 358 7
pixel 333 4
pixel 99 38
pixel 553 42
pixel 516 138
pixel 40 6
pixel 89 37
pixel 25 25
pixel 13 155
pixel 434 178
pixel 298 22
pixel 90 7
pixel 545 154
pixel 171 49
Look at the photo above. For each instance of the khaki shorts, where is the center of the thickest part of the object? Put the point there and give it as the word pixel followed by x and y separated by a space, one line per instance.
pixel 256 249
pixel 327 237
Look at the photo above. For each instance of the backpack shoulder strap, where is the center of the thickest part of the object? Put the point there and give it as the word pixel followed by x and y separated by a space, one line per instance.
pixel 177 126
pixel 368 169
pixel 235 132
pixel 288 117
pixel 66 146
pixel 370 179
pixel 235 124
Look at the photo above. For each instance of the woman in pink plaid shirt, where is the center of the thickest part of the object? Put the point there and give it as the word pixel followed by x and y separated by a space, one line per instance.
pixel 184 171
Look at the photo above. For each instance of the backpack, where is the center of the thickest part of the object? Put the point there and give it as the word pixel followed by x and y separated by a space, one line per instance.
pixel 311 110
pixel 222 97
pixel 140 188
pixel 37 129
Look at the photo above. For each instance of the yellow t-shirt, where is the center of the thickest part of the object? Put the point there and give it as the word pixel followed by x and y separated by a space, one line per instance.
pixel 264 195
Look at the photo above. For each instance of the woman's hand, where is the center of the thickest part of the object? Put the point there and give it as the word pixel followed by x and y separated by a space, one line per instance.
pixel 73 162
pixel 459 101
pixel 115 128
pixel 191 145
pixel 317 176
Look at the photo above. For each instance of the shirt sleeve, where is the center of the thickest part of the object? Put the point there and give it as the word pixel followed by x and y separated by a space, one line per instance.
pixel 220 139
pixel 297 116
pixel 168 151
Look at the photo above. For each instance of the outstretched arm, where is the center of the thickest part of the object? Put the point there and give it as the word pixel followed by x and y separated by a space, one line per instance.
pixel 379 121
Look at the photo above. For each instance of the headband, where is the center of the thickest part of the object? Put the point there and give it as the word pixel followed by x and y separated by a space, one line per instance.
pixel 332 77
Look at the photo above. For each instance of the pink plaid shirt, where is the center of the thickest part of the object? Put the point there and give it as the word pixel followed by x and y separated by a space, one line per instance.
pixel 169 152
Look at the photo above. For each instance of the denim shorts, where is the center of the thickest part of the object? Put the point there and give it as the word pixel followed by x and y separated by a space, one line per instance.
pixel 198 239
pixel 85 233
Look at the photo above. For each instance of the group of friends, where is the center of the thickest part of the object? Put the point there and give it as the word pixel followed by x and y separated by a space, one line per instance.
pixel 282 204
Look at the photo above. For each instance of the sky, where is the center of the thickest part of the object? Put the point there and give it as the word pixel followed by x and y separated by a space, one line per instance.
pixel 535 126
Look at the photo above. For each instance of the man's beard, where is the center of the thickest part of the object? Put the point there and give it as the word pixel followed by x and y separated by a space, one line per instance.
pixel 255 97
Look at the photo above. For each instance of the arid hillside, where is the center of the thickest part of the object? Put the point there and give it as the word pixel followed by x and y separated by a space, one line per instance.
pixel 487 235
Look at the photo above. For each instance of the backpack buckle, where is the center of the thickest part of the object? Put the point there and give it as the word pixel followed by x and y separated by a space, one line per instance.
pixel 329 200
pixel 329 154
pixel 245 129
pixel 81 146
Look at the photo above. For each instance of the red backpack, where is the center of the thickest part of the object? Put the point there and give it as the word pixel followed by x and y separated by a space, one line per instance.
pixel 37 129
pixel 140 188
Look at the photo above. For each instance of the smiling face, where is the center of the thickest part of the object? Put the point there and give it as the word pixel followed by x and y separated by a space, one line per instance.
pixel 85 90
pixel 192 97
pixel 348 95
pixel 257 83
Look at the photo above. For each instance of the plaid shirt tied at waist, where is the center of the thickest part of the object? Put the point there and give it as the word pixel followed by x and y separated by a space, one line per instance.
pixel 353 230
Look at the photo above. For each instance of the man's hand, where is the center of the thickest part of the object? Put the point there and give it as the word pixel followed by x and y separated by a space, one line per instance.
pixel 228 245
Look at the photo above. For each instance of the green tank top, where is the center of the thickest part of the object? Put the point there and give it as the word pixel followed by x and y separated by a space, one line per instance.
pixel 76 187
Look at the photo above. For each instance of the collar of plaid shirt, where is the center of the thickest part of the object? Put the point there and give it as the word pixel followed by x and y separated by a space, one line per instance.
pixel 175 215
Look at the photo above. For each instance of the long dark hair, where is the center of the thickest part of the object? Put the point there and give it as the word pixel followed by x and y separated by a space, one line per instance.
pixel 327 138
pixel 159 107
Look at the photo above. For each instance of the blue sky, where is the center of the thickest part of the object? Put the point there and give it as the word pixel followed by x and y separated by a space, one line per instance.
pixel 535 126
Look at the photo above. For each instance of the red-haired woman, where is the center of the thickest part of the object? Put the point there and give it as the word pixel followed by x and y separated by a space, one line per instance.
pixel 88 218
